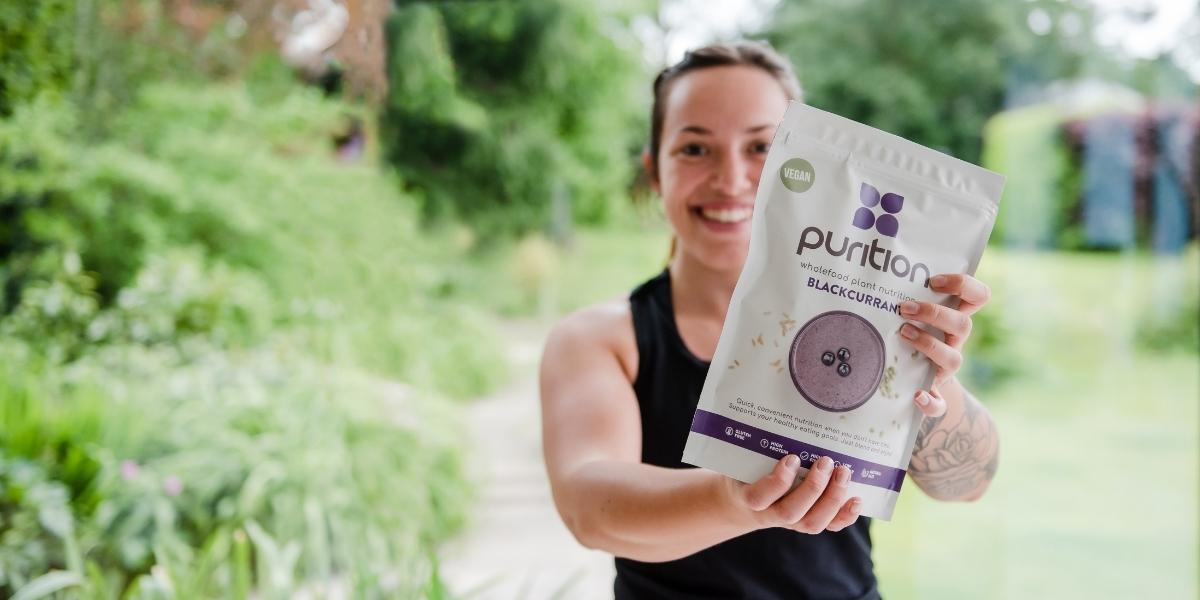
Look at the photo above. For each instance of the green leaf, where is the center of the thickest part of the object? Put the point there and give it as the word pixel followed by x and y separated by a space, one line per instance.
pixel 48 584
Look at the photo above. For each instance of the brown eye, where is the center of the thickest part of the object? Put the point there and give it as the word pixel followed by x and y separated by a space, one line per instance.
pixel 693 150
pixel 761 147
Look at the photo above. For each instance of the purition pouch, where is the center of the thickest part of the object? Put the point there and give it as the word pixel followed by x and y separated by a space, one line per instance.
pixel 849 222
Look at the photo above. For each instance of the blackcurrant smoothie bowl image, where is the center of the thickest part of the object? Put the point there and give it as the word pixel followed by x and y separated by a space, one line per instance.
pixel 837 361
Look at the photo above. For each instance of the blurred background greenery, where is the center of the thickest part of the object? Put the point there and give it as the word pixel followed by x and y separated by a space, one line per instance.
pixel 253 255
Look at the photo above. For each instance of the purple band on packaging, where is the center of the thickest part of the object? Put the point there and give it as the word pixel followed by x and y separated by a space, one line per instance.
pixel 777 446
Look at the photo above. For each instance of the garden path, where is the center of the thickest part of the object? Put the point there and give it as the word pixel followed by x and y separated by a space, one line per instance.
pixel 516 547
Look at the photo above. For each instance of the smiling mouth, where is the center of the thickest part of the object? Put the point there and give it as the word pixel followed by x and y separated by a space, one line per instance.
pixel 724 215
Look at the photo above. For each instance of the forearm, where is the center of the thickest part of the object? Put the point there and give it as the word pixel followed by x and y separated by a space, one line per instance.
pixel 649 513
pixel 956 455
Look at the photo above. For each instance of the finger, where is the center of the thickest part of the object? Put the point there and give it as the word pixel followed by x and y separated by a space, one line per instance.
pixel 763 493
pixel 972 292
pixel 818 517
pixel 946 358
pixel 929 404
pixel 954 322
pixel 795 505
pixel 847 515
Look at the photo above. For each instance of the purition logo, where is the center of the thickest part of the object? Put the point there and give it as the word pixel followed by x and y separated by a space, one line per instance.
pixel 880 258
pixel 864 217
pixel 797 175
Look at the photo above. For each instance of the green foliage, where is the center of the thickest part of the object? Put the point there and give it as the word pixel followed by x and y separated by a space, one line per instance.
pixel 931 71
pixel 36 50
pixel 200 312
pixel 317 464
pixel 991 357
pixel 35 523
pixel 37 429
pixel 1173 324
pixel 1027 146
pixel 1178 329
pixel 495 109
pixel 110 205
pixel 214 215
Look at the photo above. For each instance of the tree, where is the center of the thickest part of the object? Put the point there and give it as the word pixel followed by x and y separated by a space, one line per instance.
pixel 929 70
pixel 496 107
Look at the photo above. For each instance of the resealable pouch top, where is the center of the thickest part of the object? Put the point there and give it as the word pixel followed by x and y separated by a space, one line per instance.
pixel 849 222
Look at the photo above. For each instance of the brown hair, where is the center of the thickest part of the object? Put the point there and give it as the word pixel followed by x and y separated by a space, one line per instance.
pixel 745 52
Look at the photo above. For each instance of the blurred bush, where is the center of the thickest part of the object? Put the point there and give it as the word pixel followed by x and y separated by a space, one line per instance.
pixel 1172 323
pixel 931 71
pixel 36 50
pixel 495 107
pixel 204 322
pixel 36 515
pixel 1042 191
pixel 210 214
pixel 992 359
pixel 170 469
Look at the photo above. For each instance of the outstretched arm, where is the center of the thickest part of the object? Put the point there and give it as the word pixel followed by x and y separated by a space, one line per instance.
pixel 611 501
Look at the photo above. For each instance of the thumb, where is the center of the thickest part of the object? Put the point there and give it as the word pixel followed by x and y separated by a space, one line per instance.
pixel 771 487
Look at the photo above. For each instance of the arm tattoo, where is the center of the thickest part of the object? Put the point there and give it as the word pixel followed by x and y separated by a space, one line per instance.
pixel 950 460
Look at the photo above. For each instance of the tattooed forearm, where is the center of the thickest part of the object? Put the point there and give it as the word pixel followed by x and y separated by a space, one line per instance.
pixel 956 455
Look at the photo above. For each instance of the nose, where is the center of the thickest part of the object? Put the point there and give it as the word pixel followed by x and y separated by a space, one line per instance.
pixel 732 175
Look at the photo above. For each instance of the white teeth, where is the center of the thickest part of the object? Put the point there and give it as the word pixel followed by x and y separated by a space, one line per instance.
pixel 727 215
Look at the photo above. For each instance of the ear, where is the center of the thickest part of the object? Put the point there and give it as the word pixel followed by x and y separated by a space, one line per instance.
pixel 651 172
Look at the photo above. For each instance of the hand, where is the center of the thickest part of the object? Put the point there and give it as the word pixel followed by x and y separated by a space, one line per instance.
pixel 954 323
pixel 819 503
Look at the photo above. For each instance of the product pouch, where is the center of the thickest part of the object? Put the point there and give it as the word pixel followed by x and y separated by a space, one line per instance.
pixel 849 222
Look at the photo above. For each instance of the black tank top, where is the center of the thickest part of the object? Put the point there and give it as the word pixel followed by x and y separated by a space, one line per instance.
pixel 767 564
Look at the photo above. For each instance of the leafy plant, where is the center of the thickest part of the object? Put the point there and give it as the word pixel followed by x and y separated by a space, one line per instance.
pixel 498 111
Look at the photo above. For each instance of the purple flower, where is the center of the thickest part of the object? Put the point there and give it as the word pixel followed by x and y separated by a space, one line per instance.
pixel 129 470
pixel 172 485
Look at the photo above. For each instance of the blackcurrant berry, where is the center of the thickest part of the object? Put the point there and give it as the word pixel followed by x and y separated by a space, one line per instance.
pixel 844 369
pixel 827 358
pixel 843 354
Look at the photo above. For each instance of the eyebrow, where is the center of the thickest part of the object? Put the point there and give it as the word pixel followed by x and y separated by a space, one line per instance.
pixel 703 131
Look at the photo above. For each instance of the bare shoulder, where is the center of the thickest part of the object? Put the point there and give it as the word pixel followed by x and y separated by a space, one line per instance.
pixel 589 408
pixel 603 328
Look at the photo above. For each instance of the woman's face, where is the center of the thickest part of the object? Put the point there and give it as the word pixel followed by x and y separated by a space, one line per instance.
pixel 717 128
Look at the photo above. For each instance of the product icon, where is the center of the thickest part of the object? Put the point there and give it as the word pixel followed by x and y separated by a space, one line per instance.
pixel 837 361
pixel 864 217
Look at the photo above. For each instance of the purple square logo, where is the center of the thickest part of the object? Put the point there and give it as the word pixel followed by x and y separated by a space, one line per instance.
pixel 864 217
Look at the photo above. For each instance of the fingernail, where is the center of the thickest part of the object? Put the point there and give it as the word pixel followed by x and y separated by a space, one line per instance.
pixel 823 464
pixel 855 505
pixel 908 307
pixel 922 398
pixel 937 280
pixel 908 331
pixel 790 461
pixel 843 475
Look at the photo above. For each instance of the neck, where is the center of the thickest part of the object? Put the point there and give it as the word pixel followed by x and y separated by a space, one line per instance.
pixel 700 290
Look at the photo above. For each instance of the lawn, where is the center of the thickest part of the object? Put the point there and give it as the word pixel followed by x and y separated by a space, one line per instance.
pixel 1096 493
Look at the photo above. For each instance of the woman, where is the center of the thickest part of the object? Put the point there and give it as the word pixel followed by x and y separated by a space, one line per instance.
pixel 620 380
